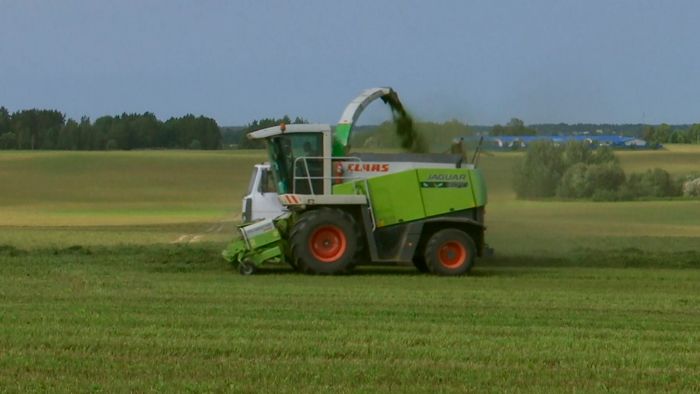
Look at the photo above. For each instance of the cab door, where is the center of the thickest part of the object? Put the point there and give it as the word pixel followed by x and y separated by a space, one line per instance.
pixel 265 204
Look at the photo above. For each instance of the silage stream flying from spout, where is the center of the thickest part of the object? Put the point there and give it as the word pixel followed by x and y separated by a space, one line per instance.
pixel 405 128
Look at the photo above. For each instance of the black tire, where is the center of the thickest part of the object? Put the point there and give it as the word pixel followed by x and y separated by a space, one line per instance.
pixel 420 264
pixel 246 268
pixel 450 252
pixel 360 254
pixel 324 241
pixel 291 262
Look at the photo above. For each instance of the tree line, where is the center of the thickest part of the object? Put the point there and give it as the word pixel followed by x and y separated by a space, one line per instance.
pixel 574 171
pixel 50 130
pixel 628 130
pixel 439 134
pixel 654 134
pixel 516 127
pixel 434 134
pixel 237 135
pixel 667 134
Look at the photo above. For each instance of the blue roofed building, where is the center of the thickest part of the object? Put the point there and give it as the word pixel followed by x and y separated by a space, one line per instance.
pixel 506 142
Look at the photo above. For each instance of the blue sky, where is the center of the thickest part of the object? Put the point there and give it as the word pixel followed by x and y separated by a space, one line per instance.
pixel 481 62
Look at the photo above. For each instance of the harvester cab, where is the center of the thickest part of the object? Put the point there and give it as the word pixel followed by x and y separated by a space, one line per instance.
pixel 340 211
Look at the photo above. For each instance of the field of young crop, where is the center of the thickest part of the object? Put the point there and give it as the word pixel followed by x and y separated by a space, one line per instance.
pixel 111 281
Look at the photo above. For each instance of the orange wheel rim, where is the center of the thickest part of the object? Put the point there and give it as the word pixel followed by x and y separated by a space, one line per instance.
pixel 328 244
pixel 453 254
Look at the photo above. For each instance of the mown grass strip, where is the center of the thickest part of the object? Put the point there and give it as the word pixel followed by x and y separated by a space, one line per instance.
pixel 175 319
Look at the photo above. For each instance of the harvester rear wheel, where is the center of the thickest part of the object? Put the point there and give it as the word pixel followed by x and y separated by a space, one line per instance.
pixel 450 252
pixel 324 241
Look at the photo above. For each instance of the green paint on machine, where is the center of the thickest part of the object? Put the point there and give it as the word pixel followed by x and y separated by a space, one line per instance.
pixel 341 139
pixel 389 194
pixel 478 187
pixel 258 243
pixel 450 193
pixel 439 191
pixel 265 238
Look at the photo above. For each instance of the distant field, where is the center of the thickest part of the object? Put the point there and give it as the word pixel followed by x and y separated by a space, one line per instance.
pixel 95 296
pixel 103 188
pixel 94 198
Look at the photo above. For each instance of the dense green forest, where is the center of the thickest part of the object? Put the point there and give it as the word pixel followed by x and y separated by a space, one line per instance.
pixel 236 135
pixel 50 130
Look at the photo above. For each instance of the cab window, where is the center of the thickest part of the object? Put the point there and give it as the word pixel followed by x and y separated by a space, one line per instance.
pixel 292 174
pixel 267 182
pixel 307 146
pixel 252 181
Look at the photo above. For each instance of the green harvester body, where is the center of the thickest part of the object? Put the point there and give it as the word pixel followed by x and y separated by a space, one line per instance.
pixel 419 194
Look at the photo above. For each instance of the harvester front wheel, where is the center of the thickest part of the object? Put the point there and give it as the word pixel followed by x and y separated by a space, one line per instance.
pixel 419 263
pixel 246 268
pixel 324 241
pixel 450 252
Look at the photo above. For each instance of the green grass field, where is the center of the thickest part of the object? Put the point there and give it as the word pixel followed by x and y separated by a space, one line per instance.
pixel 95 296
